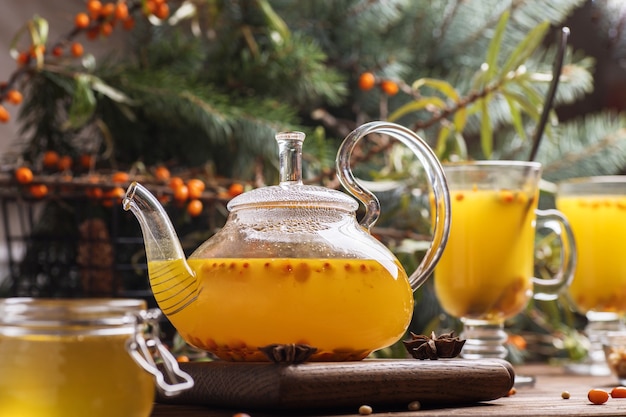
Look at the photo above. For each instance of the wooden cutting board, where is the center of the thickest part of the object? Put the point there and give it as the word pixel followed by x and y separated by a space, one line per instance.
pixel 344 384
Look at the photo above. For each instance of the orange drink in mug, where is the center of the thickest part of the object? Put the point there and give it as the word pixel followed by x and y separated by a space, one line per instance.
pixel 596 209
pixel 485 275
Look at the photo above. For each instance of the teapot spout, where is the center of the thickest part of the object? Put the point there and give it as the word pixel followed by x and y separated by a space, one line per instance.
pixel 173 282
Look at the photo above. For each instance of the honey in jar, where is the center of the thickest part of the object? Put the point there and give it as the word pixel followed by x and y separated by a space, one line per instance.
pixel 70 358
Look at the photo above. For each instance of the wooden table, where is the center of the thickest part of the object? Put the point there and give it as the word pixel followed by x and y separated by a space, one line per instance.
pixel 544 399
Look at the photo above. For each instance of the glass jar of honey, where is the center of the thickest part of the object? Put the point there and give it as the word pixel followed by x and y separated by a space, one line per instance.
pixel 81 357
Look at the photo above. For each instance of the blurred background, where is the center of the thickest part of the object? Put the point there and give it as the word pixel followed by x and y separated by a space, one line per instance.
pixel 198 91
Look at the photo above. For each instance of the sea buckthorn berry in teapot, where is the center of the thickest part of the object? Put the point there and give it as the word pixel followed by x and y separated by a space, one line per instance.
pixel 292 276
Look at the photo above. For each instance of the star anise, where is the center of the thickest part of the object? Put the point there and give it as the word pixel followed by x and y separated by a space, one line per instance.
pixel 288 353
pixel 434 347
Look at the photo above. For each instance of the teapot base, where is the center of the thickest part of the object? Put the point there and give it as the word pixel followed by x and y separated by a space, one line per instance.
pixel 249 354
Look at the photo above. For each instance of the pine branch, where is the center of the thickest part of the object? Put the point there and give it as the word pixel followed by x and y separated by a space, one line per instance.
pixel 594 145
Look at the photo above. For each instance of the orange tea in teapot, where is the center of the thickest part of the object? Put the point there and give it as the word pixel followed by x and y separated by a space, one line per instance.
pixel 250 303
pixel 292 270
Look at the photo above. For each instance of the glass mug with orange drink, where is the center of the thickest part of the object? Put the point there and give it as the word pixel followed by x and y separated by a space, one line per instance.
pixel 485 275
pixel 596 209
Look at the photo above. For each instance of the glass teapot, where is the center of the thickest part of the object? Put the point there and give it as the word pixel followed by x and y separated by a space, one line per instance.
pixel 292 276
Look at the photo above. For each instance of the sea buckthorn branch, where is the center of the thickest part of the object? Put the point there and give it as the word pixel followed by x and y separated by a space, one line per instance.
pixel 54 175
pixel 499 76
pixel 99 19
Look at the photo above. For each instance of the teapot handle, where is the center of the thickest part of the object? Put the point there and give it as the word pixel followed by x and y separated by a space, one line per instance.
pixel 436 177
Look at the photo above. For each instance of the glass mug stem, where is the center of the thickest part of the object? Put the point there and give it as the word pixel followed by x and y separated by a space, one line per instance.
pixel 483 340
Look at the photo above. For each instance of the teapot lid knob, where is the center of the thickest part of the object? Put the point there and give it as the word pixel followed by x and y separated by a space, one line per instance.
pixel 290 157
pixel 291 191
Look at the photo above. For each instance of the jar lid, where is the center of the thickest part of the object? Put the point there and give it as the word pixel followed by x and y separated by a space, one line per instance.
pixel 43 314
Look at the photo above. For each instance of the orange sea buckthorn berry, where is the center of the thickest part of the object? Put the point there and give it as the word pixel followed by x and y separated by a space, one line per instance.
pixel 235 189
pixel 14 97
pixel 162 173
pixel 618 392
pixel 23 58
pixel 24 175
pixel 598 396
pixel 94 7
pixel 4 114
pixel 95 193
pixel 129 23
pixel 163 198
pixel 37 50
pixel 113 196
pixel 86 160
pixel 149 7
pixel 176 182
pixel 367 80
pixel 507 196
pixel 57 51
pixel 38 190
pixel 182 358
pixel 106 29
pixel 108 10
pixel 389 87
pixel 181 193
pixel 162 11
pixel 65 163
pixel 77 49
pixel 194 192
pixel 196 187
pixel 120 177
pixel 518 341
pixel 50 159
pixel 121 11
pixel 194 208
pixel 81 20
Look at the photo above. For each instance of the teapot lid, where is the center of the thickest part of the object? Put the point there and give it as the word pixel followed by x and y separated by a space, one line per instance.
pixel 291 192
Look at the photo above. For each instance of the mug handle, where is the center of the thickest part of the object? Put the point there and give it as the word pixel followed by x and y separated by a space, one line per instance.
pixel 548 289
pixel 436 177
